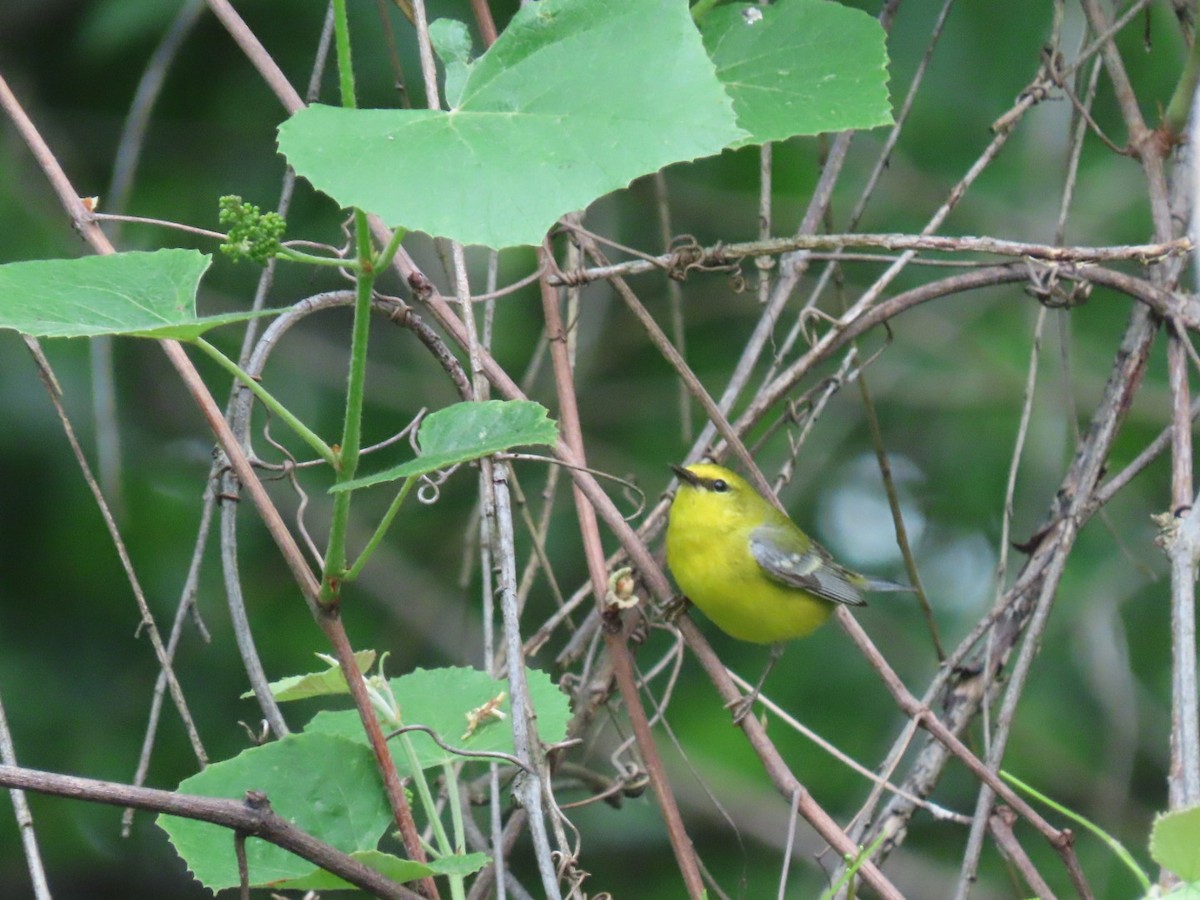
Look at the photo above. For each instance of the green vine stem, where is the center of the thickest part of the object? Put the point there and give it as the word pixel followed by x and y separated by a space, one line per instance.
pixel 268 400
pixel 700 9
pixel 855 864
pixel 1116 846
pixel 384 259
pixel 1176 116
pixel 344 466
pixel 377 538
pixel 335 554
pixel 312 259
pixel 454 801
pixel 421 784
pixel 341 29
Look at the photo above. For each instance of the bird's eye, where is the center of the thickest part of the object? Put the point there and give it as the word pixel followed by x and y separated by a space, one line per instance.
pixel 719 485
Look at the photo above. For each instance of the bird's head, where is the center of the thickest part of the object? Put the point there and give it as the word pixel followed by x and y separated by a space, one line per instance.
pixel 714 495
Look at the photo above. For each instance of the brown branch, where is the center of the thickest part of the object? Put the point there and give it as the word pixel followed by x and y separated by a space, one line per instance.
pixel 257 54
pixel 483 18
pixel 252 815
pixel 719 256
pixel 1000 824
pixel 614 636
pixel 1166 303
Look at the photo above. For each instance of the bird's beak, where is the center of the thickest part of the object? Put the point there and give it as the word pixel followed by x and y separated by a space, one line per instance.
pixel 685 475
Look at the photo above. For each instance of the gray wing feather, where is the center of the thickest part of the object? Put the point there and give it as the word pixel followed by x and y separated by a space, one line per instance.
pixel 812 571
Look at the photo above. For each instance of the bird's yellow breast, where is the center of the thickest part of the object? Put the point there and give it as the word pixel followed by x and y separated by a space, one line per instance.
pixel 708 550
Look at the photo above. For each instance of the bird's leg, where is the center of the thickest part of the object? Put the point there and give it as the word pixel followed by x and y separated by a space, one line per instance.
pixel 675 607
pixel 743 705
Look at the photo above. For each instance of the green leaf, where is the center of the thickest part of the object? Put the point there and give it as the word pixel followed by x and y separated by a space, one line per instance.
pixel 452 43
pixel 137 294
pixel 317 684
pixel 395 868
pixel 467 431
pixel 325 785
pixel 799 67
pixel 1175 842
pixel 440 699
pixel 574 100
pixel 463 864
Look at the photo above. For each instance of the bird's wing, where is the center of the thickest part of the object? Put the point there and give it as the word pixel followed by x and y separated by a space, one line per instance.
pixel 812 570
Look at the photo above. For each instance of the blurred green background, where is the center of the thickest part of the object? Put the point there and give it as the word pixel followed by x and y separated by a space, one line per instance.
pixel 76 678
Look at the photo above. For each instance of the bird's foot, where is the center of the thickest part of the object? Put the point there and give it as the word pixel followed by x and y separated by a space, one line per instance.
pixel 675 607
pixel 742 706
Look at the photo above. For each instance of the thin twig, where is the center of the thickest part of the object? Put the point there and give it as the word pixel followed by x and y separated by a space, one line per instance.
pixel 186 605
pixel 724 254
pixel 532 789
pixel 675 300
pixel 135 585
pixel 29 841
pixel 1000 823
pixel 257 54
pixel 938 812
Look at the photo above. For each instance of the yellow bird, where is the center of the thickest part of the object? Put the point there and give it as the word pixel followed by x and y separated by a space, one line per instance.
pixel 748 566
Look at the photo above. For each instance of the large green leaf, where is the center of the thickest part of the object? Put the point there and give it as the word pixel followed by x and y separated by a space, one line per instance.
pixel 139 294
pixel 799 67
pixel 324 785
pixel 574 100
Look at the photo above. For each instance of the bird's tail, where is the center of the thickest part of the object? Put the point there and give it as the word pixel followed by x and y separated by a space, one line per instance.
pixel 881 585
